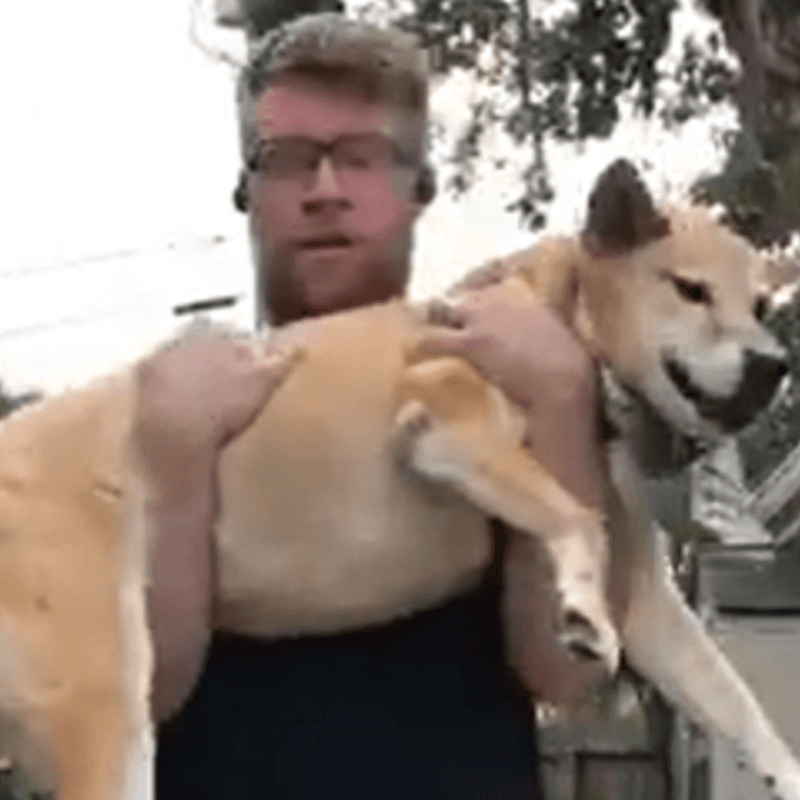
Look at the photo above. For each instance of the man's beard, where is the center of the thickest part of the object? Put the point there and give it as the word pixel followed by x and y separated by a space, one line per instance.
pixel 282 298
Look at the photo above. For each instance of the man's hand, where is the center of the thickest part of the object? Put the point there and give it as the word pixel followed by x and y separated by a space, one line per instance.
pixel 488 274
pixel 515 342
pixel 192 400
pixel 523 347
pixel 195 397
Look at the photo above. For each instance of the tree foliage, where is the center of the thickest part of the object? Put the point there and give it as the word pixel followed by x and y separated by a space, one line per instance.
pixel 703 77
pixel 760 184
pixel 562 74
pixel 775 433
pixel 263 15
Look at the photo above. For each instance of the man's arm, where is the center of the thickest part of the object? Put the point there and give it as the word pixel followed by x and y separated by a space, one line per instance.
pixel 179 522
pixel 562 435
pixel 524 347
pixel 192 400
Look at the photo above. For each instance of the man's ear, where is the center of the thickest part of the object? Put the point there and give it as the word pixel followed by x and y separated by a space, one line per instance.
pixel 621 214
pixel 425 187
pixel 241 194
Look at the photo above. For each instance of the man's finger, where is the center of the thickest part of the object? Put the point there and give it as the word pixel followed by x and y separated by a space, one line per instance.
pixel 567 302
pixel 482 277
pixel 437 342
pixel 282 358
pixel 448 315
pixel 243 353
pixel 276 364
pixel 267 376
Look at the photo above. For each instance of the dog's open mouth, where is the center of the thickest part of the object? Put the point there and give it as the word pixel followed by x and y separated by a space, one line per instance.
pixel 732 413
pixel 679 375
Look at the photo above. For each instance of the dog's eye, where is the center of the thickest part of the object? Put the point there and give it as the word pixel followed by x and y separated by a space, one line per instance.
pixel 760 308
pixel 694 292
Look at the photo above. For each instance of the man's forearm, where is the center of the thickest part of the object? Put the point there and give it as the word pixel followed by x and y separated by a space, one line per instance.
pixel 566 444
pixel 178 516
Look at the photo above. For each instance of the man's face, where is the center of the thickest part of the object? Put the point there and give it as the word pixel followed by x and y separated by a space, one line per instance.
pixel 334 235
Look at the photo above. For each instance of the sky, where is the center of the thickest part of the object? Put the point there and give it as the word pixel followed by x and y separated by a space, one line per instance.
pixel 119 155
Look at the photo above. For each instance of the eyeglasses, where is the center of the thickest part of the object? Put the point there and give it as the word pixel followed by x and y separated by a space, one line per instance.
pixel 297 158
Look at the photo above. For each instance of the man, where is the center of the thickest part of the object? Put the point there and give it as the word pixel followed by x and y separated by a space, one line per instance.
pixel 333 117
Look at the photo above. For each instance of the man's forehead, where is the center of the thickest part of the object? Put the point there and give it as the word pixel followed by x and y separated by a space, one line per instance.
pixel 302 108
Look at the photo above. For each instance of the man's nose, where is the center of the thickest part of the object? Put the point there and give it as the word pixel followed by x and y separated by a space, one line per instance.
pixel 326 188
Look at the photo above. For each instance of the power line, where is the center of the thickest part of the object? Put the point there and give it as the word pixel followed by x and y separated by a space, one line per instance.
pixel 38 327
pixel 70 264
pixel 75 263
pixel 195 306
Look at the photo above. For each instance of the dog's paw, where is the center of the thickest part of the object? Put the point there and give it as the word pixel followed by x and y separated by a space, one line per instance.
pixel 578 636
pixel 413 420
pixel 588 640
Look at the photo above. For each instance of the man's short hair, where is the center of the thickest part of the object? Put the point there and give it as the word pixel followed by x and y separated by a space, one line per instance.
pixel 382 65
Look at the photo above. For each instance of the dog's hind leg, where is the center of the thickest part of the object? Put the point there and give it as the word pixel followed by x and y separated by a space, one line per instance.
pixel 95 705
pixel 66 726
pixel 452 427
pixel 668 644
pixel 22 749
pixel 74 651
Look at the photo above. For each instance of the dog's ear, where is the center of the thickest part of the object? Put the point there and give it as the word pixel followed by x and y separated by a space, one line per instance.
pixel 621 213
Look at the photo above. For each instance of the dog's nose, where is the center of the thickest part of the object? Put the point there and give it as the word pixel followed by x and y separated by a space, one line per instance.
pixel 760 378
pixel 764 371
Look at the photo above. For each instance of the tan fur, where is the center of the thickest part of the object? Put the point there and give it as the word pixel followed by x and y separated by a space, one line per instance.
pixel 359 495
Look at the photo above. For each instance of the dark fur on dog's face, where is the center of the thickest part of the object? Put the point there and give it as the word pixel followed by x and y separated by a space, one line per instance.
pixel 672 304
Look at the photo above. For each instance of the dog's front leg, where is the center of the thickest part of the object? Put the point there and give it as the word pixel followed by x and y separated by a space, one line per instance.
pixel 454 428
pixel 665 641
pixel 668 644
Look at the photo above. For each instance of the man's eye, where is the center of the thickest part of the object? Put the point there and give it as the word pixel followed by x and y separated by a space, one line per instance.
pixel 357 161
pixel 362 158
pixel 286 161
pixel 294 159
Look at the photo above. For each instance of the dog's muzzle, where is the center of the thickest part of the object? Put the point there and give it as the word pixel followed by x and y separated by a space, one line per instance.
pixel 761 377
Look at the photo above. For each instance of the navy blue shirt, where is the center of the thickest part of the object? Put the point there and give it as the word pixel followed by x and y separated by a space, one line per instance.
pixel 424 707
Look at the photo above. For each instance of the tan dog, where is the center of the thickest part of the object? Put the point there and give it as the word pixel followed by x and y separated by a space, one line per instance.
pixel 361 492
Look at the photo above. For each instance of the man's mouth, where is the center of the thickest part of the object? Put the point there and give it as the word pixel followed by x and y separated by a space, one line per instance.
pixel 326 243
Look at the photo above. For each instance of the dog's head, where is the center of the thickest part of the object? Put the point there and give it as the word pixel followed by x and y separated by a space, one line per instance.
pixel 672 304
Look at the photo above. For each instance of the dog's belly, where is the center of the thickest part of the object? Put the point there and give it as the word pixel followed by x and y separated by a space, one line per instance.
pixel 319 530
